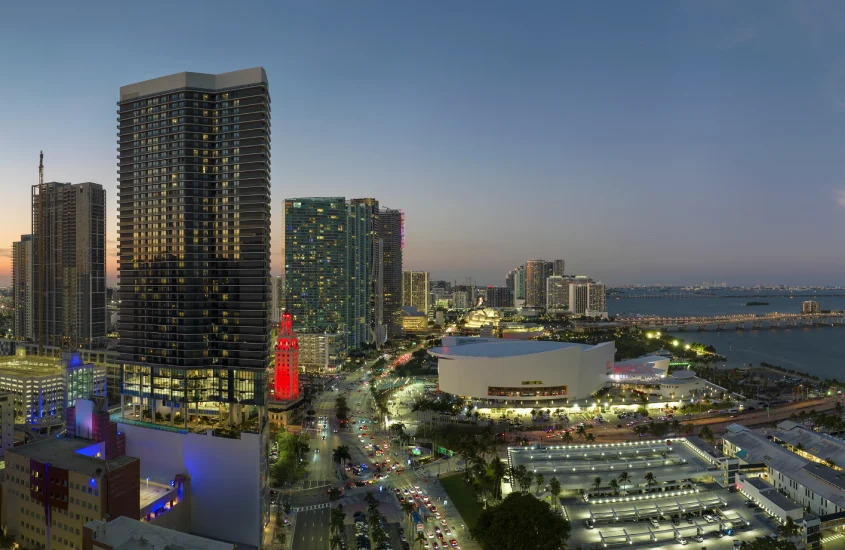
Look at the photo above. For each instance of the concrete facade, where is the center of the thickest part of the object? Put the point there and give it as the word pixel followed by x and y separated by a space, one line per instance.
pixel 235 475
pixel 516 370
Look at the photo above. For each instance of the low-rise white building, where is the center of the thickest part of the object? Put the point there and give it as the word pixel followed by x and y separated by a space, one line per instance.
pixel 767 497
pixel 812 486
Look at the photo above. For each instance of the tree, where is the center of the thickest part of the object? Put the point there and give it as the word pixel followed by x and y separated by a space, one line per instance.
pixel 336 542
pixel 597 483
pixel 624 479
pixel 767 544
pixel 554 489
pixel 521 522
pixel 581 431
pixel 407 509
pixel 789 528
pixel 591 437
pixel 567 437
pixel 341 455
pixel 540 480
pixel 527 477
pixel 421 539
pixel 288 467
pixel 7 541
pixel 707 435
pixel 650 479
pixel 496 471
pixel 336 519
pixel 614 485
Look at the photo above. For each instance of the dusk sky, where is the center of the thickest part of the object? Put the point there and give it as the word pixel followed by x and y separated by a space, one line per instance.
pixel 643 142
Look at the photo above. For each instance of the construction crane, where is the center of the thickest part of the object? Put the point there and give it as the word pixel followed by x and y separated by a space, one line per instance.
pixel 40 251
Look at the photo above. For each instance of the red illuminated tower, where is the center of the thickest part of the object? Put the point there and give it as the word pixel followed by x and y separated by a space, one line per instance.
pixel 285 384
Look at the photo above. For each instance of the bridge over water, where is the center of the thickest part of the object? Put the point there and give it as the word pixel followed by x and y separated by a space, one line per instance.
pixel 752 321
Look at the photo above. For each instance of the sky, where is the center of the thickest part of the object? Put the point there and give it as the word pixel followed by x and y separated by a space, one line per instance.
pixel 643 142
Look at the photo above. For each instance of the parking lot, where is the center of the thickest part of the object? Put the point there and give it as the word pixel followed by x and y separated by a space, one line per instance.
pixel 710 514
pixel 570 463
pixel 642 493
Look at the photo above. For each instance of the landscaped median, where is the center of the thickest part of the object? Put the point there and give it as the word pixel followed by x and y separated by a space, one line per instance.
pixel 461 496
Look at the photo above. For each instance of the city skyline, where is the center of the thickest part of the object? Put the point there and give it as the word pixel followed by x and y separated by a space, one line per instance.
pixel 678 117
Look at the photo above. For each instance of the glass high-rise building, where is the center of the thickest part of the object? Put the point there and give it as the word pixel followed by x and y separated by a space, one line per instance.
pixel 364 268
pixel 339 260
pixel 519 284
pixel 536 272
pixel 194 245
pixel 392 236
pixel 416 290
pixel 316 282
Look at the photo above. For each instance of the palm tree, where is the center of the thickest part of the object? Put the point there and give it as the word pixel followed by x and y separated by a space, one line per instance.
pixel 525 485
pixel 624 479
pixel 581 431
pixel 336 542
pixel 408 509
pixel 650 479
pixel 567 437
pixel 554 489
pixel 341 455
pixel 597 482
pixel 707 435
pixel 497 473
pixel 421 539
pixel 336 519
pixel 540 480
pixel 614 485
pixel 591 437
pixel 789 528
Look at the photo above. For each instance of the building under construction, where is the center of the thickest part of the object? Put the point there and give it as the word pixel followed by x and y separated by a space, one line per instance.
pixel 68 264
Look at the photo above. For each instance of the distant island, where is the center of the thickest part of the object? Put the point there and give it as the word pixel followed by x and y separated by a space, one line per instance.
pixel 756 303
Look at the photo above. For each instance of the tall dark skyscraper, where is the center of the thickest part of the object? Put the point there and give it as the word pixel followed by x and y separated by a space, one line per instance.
pixel 69 264
pixel 392 234
pixel 194 243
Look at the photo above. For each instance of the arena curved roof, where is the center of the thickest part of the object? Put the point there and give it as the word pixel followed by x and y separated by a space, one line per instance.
pixel 503 348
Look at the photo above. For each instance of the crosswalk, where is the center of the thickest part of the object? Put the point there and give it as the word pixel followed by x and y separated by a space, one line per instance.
pixel 833 538
pixel 312 507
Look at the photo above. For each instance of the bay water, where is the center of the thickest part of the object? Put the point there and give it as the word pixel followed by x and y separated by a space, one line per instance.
pixel 818 351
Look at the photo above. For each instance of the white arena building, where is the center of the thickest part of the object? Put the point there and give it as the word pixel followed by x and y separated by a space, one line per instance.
pixel 513 371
